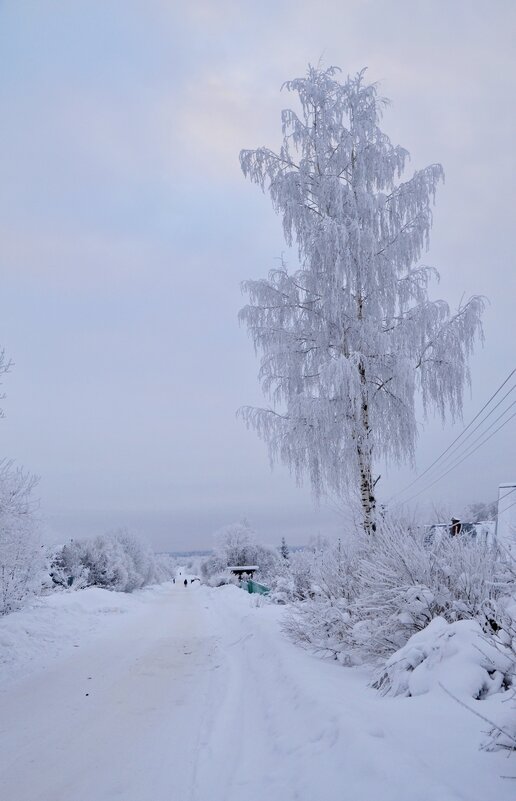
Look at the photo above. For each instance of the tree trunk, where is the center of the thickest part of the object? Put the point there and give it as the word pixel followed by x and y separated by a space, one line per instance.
pixel 365 461
pixel 367 497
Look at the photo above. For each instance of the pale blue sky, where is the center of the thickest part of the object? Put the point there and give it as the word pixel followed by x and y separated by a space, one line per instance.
pixel 126 228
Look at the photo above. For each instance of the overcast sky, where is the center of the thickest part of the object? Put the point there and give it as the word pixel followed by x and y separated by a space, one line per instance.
pixel 127 226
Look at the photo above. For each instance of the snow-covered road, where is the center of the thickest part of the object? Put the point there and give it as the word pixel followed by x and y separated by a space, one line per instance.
pixel 194 695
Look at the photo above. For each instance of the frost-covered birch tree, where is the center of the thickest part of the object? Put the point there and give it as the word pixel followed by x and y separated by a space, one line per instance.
pixel 348 338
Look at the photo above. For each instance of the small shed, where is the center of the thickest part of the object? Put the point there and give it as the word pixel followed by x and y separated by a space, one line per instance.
pixel 483 531
pixel 240 570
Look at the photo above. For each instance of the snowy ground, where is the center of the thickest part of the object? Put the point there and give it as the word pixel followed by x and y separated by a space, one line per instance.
pixel 194 694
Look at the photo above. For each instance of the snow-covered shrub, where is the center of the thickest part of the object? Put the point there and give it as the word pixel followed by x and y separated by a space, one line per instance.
pixel 473 651
pixel 281 592
pixel 303 575
pixel 459 656
pixel 335 569
pixel 282 587
pixel 166 566
pixel 140 559
pixel 269 563
pixel 324 617
pixel 464 661
pixel 106 562
pixel 221 578
pixel 214 564
pixel 67 568
pixel 501 621
pixel 405 583
pixel 235 545
pixel 21 556
pixel 302 565
pixel 323 626
pixel 293 580
pixel 480 512
pixel 502 735
pixel 116 561
pixel 370 594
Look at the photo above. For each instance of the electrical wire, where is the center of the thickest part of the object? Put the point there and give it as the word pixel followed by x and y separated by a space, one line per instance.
pixel 506 494
pixel 467 455
pixel 503 511
pixel 441 456
pixel 460 451
pixel 457 450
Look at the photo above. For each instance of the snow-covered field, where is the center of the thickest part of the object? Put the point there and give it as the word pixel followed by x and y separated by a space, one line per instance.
pixel 194 693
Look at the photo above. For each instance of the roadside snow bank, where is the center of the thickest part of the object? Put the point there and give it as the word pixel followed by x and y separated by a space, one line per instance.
pixel 457 656
pixel 31 638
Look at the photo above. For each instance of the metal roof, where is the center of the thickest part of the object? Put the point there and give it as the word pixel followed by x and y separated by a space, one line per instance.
pixel 242 567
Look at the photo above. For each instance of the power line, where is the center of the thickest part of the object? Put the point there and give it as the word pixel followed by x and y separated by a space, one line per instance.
pixel 502 511
pixel 492 411
pixel 467 455
pixel 460 451
pixel 506 494
pixel 443 454
pixel 418 478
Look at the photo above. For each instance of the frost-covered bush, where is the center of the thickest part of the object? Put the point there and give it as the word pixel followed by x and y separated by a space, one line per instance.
pixel 501 619
pixel 292 581
pixel 213 565
pixel 327 589
pixel 502 735
pixel 67 567
pixel 236 545
pixel 21 558
pixel 370 597
pixel 462 660
pixel 405 583
pixel 458 656
pixel 301 566
pixel 269 562
pixel 166 567
pixel 323 626
pixel 471 648
pixel 282 589
pixel 141 562
pixel 312 571
pixel 119 562
pixel 116 561
pixel 107 564
pixel 221 578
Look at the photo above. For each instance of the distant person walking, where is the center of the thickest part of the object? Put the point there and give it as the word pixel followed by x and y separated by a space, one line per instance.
pixel 185 582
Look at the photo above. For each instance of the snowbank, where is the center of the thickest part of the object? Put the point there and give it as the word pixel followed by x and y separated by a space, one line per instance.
pixel 50 626
pixel 194 693
pixel 457 656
